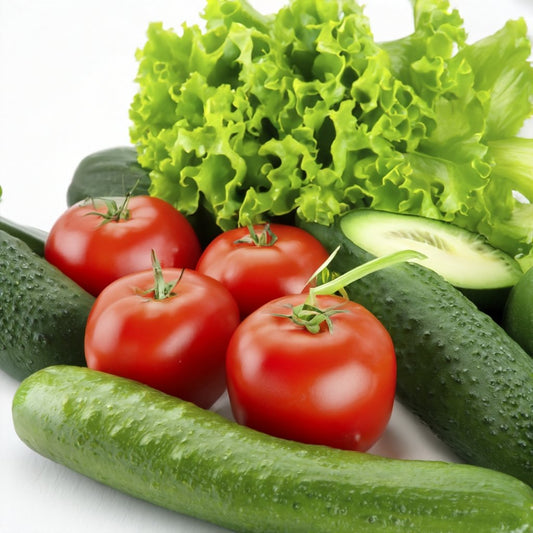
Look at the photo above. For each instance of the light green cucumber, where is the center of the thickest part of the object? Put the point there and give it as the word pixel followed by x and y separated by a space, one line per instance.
pixel 457 369
pixel 42 312
pixel 179 456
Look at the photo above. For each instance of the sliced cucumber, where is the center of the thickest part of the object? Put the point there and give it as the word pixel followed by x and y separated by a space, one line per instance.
pixel 465 259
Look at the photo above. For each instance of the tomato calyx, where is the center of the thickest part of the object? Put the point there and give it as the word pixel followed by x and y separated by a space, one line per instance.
pixel 311 317
pixel 162 289
pixel 114 212
pixel 265 238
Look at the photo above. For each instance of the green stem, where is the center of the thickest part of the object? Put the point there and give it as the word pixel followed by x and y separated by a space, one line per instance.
pixel 161 289
pixel 115 212
pixel 374 265
pixel 266 238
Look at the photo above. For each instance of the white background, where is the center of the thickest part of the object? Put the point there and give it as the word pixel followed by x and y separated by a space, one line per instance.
pixel 66 83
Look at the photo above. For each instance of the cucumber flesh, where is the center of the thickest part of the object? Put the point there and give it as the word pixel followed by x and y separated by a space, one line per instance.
pixel 464 259
pixel 177 455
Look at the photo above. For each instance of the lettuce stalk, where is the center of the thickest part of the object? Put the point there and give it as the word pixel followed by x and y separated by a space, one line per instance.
pixel 302 111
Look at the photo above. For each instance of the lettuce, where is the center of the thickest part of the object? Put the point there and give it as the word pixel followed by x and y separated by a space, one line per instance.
pixel 302 111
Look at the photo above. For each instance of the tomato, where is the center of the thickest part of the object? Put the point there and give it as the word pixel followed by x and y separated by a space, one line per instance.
pixel 176 343
pixel 334 387
pixel 260 270
pixel 94 251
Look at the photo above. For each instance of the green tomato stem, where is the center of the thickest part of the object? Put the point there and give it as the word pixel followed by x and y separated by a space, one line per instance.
pixel 162 290
pixel 338 283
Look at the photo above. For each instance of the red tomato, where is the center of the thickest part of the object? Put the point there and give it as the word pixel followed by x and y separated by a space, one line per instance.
pixel 256 274
pixel 94 252
pixel 332 387
pixel 175 344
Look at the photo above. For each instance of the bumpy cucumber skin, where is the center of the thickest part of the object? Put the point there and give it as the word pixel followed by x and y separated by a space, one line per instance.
pixel 42 312
pixel 33 237
pixel 176 455
pixel 110 172
pixel 457 369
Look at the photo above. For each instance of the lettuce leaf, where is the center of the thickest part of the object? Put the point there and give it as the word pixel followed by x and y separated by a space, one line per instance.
pixel 302 111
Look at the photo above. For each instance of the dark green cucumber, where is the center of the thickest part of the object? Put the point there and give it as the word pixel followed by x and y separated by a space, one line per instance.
pixel 42 312
pixel 33 237
pixel 111 172
pixel 457 369
pixel 179 456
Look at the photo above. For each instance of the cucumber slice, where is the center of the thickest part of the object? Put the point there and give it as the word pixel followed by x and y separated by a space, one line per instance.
pixel 465 259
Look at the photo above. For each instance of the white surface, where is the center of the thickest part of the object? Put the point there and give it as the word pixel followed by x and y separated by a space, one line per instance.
pixel 67 71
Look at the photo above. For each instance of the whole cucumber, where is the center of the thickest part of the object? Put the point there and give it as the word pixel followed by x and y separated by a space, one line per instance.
pixel 457 369
pixel 42 312
pixel 179 456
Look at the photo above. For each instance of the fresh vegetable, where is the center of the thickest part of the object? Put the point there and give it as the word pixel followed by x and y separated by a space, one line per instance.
pixel 33 237
pixel 169 452
pixel 334 385
pixel 110 172
pixel 484 273
pixel 42 312
pixel 302 111
pixel 168 328
pixel 457 369
pixel 97 241
pixel 261 263
pixel 518 312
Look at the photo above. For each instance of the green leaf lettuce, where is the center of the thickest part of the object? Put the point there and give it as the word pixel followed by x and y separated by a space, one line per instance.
pixel 255 117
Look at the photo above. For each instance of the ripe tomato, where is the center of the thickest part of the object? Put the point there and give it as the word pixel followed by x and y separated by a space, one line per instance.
pixel 176 344
pixel 257 272
pixel 94 251
pixel 332 387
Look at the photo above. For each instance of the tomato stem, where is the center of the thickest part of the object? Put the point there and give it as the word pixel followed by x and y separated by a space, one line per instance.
pixel 114 212
pixel 161 289
pixel 338 283
pixel 311 317
pixel 266 238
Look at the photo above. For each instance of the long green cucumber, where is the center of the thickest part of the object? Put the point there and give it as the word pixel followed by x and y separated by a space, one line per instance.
pixel 35 238
pixel 179 456
pixel 457 369
pixel 42 312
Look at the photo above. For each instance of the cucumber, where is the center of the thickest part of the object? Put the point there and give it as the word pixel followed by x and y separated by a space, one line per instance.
pixel 33 237
pixel 457 369
pixel 42 312
pixel 111 172
pixel 465 259
pixel 518 312
pixel 179 456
